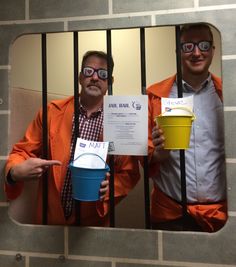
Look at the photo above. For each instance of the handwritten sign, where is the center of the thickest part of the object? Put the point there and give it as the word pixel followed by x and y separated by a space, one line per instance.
pixel 88 154
pixel 177 106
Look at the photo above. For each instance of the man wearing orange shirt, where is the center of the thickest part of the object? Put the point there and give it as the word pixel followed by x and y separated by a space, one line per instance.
pixel 24 162
pixel 205 159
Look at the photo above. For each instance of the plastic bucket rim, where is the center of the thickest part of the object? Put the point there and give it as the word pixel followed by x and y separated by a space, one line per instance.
pixel 106 167
pixel 85 168
pixel 191 115
pixel 185 109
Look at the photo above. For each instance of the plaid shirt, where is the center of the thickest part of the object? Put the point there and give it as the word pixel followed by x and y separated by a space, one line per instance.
pixel 89 129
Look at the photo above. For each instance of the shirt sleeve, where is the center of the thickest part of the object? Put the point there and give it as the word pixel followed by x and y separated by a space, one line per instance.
pixel 126 177
pixel 29 146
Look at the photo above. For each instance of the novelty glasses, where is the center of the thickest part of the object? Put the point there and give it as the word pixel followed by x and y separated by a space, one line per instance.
pixel 204 46
pixel 89 71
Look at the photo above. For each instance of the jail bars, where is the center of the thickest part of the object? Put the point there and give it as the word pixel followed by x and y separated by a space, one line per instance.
pixel 76 119
pixel 45 127
pixel 111 158
pixel 182 152
pixel 76 108
pixel 145 158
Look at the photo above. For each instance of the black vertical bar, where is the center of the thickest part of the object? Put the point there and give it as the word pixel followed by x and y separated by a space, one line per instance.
pixel 145 158
pixel 45 127
pixel 76 110
pixel 111 160
pixel 182 152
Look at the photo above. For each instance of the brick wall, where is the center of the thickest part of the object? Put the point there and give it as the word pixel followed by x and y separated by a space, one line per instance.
pixel 33 246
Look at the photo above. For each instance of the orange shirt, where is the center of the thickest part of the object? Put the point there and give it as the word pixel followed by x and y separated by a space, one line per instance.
pixel 211 216
pixel 60 114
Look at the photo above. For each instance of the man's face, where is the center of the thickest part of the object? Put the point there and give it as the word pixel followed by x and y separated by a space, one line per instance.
pixel 196 62
pixel 94 85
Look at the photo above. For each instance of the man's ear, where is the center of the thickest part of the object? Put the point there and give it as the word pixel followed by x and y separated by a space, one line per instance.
pixel 80 77
pixel 213 50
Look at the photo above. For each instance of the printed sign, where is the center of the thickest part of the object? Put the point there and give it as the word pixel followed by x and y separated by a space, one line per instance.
pixel 126 124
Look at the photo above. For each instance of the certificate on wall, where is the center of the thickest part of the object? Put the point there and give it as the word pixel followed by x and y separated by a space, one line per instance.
pixel 126 124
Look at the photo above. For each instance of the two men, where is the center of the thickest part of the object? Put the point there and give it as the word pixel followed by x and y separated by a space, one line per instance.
pixel 24 161
pixel 205 159
pixel 205 166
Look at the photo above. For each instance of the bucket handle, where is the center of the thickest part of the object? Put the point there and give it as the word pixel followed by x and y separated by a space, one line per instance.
pixel 183 108
pixel 93 154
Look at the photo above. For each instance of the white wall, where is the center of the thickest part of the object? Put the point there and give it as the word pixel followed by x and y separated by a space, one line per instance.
pixel 160 58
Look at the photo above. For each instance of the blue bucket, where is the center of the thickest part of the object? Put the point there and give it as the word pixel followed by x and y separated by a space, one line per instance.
pixel 86 182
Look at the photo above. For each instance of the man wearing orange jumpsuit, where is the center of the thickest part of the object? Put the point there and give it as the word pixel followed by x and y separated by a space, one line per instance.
pixel 205 159
pixel 24 162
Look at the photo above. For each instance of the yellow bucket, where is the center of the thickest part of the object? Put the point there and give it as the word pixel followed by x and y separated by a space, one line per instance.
pixel 177 130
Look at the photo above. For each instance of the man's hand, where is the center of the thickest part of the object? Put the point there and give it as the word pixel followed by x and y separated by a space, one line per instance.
pixel 158 140
pixel 32 168
pixel 104 187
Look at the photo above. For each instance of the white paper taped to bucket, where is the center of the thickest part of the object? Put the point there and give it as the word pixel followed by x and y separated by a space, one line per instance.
pixel 177 106
pixel 90 149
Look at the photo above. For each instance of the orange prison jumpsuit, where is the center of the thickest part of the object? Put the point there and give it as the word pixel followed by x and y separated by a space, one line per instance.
pixel 60 113
pixel 211 217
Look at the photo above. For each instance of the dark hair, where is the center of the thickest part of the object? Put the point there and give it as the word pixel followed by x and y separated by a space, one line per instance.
pixel 196 26
pixel 99 54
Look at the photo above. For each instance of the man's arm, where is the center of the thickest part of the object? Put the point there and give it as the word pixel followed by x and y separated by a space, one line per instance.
pixel 126 177
pixel 32 168
pixel 30 146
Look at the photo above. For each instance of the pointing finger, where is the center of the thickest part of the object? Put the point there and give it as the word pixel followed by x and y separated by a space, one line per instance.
pixel 47 163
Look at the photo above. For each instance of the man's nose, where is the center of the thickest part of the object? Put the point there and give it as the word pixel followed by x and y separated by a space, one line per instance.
pixel 95 75
pixel 196 51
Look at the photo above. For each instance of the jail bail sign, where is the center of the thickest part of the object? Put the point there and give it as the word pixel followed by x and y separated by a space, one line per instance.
pixel 126 124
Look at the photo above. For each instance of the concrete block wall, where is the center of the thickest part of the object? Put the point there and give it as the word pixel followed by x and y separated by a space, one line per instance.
pixel 32 246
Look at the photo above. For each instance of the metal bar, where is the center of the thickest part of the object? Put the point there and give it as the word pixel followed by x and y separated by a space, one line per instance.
pixel 45 128
pixel 76 86
pixel 76 109
pixel 145 158
pixel 111 158
pixel 182 152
